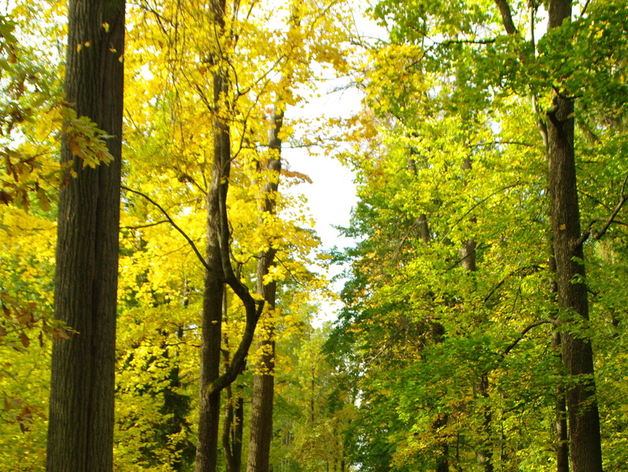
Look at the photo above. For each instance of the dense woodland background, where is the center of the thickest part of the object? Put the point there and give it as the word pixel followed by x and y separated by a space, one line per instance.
pixel 483 325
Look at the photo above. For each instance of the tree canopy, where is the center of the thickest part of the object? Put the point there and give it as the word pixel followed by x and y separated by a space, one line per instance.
pixel 482 321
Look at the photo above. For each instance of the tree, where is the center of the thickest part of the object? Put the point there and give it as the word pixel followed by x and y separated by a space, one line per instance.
pixel 585 444
pixel 263 382
pixel 450 71
pixel 80 435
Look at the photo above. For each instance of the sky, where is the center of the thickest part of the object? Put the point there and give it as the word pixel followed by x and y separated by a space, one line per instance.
pixel 332 193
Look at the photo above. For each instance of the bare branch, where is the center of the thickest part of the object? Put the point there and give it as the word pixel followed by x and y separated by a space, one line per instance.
pixel 523 271
pixel 451 42
pixel 584 9
pixel 484 200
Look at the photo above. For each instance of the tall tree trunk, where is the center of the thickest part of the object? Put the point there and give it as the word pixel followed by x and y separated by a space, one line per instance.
pixel 231 462
pixel 209 401
pixel 232 430
pixel 80 432
pixel 484 455
pixel 443 446
pixel 264 380
pixel 218 267
pixel 560 421
pixel 560 405
pixel 238 430
pixel 584 424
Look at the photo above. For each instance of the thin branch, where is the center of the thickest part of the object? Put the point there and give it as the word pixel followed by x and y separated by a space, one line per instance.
pixel 403 240
pixel 584 9
pixel 145 226
pixel 610 220
pixel 451 42
pixel 496 143
pixel 174 225
pixel 455 264
pixel 484 200
pixel 595 199
pixel 512 345
pixel 524 271
pixel 292 276
pixel 615 222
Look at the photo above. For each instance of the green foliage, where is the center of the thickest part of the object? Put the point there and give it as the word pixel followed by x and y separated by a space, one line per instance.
pixel 450 360
pixel 428 359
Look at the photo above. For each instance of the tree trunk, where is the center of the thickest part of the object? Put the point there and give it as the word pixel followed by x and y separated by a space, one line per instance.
pixel 584 424
pixel 264 380
pixel 484 455
pixel 232 431
pixel 560 421
pixel 218 267
pixel 560 405
pixel 209 402
pixel 262 409
pixel 443 445
pixel 238 431
pixel 80 432
pixel 231 462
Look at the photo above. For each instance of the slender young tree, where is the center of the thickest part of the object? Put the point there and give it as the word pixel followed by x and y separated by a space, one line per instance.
pixel 264 381
pixel 209 402
pixel 218 267
pixel 80 435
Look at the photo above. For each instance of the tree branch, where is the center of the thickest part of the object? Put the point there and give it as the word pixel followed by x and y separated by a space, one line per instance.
pixel 504 10
pixel 459 261
pixel 145 226
pixel 497 143
pixel 523 271
pixel 512 345
pixel 609 221
pixel 170 220
pixel 451 42
pixel 485 199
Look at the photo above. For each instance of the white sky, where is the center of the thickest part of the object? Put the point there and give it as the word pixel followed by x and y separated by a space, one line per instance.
pixel 332 193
